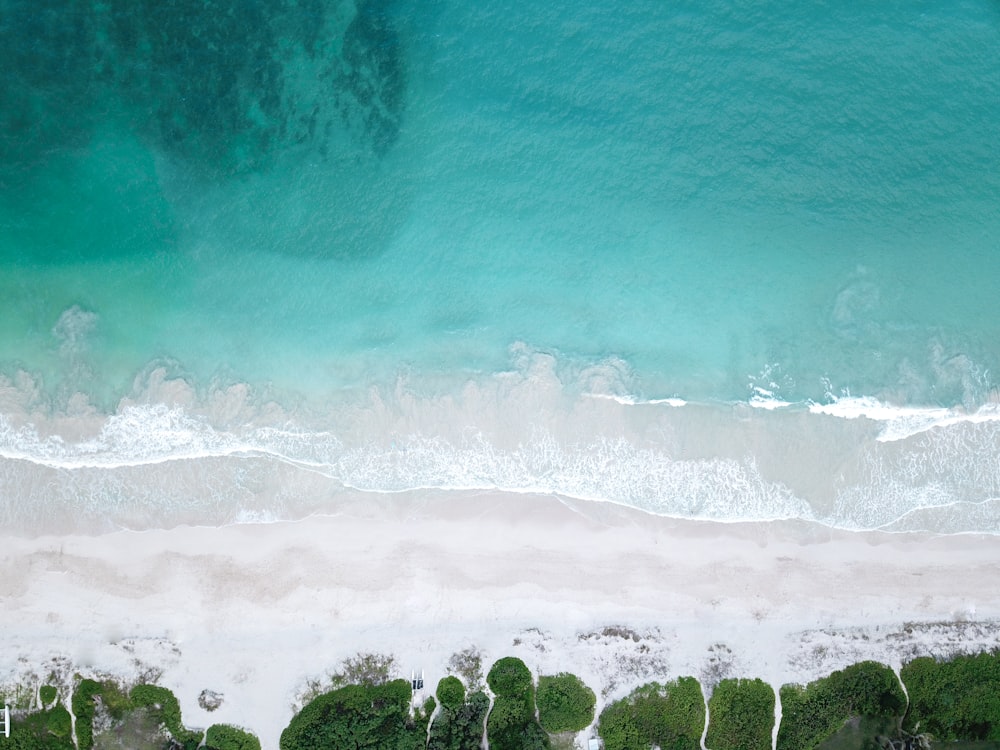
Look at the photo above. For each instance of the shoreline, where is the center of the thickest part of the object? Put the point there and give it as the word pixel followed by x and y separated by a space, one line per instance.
pixel 175 457
pixel 619 597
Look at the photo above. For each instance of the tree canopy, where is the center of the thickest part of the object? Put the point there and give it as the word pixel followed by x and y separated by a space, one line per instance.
pixel 565 704
pixel 812 713
pixel 669 715
pixel 356 716
pixel 741 715
pixel 954 700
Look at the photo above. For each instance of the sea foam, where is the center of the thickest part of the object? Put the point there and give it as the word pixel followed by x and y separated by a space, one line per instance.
pixel 170 454
pixel 902 422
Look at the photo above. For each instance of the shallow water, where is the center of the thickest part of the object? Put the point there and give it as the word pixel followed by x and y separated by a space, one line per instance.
pixel 252 260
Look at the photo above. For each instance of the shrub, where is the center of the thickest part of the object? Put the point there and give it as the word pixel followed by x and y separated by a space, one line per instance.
pixel 162 701
pixel 59 723
pixel 115 701
pixel 450 692
pixel 511 724
pixel 511 727
pixel 48 694
pixel 356 716
pixel 954 700
pixel 810 714
pixel 83 709
pixel 227 737
pixel 422 716
pixel 670 716
pixel 166 709
pixel 565 704
pixel 509 677
pixel 741 715
pixel 460 728
pixel 365 669
pixel 43 730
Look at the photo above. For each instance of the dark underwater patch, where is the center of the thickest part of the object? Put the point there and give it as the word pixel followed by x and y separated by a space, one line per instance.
pixel 221 88
pixel 229 86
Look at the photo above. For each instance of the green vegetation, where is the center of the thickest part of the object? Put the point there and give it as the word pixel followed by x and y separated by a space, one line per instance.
pixel 459 727
pixel 59 723
pixel 356 716
pixel 511 724
pixel 954 700
pixel 954 704
pixel 115 700
pixel 565 704
pixel 670 716
pixel 162 706
pixel 42 730
pixel 510 677
pixel 865 733
pixel 227 737
pixel 422 716
pixel 139 729
pixel 450 692
pixel 83 709
pixel 740 715
pixel 167 710
pixel 811 714
pixel 47 694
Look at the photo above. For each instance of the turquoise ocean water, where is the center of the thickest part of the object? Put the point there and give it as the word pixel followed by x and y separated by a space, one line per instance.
pixel 721 260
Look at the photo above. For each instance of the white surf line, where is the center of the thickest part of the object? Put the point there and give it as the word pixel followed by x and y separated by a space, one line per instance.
pixel 938 506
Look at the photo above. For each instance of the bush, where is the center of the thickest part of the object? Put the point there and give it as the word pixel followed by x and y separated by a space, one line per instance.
pixel 565 704
pixel 365 669
pixel 954 700
pixel 670 716
pixel 48 694
pixel 162 704
pixel 422 716
pixel 43 730
pixel 167 711
pixel 511 724
pixel 460 728
pixel 509 677
pixel 227 737
pixel 83 709
pixel 114 699
pixel 451 693
pixel 741 715
pixel 811 714
pixel 59 723
pixel 356 716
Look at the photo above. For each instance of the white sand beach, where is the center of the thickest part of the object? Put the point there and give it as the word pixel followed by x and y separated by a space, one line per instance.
pixel 616 596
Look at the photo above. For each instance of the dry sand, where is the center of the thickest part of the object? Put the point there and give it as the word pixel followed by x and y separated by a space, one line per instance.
pixel 615 596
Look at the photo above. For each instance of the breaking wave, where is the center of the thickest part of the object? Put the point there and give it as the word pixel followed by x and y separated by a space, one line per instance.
pixel 170 455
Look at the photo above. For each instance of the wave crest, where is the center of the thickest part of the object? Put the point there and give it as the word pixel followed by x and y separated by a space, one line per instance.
pixel 170 454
